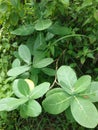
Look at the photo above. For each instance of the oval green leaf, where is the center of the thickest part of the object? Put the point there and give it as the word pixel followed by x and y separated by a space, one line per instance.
pixel 33 108
pixel 18 70
pixel 24 30
pixel 24 53
pixel 43 24
pixel 56 103
pixel 82 83
pixel 40 90
pixel 42 63
pixel 9 104
pixel 84 112
pixel 66 77
pixel 93 92
pixel 53 91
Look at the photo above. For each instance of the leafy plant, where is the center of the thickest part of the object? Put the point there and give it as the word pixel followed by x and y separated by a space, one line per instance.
pixel 26 93
pixel 79 95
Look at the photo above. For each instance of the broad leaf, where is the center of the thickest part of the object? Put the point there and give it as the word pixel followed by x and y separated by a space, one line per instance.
pixel 9 104
pixel 53 91
pixel 66 77
pixel 23 109
pixel 59 30
pixel 42 63
pixel 18 70
pixel 82 83
pixel 84 112
pixel 39 43
pixel 43 24
pixel 93 92
pixel 96 15
pixel 15 3
pixel 3 7
pixel 24 30
pixel 49 71
pixel 65 2
pixel 32 108
pixel 40 90
pixel 21 88
pixel 24 53
pixel 56 103
pixel 16 63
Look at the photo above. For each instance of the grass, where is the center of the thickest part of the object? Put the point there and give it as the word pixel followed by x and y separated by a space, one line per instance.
pixel 43 122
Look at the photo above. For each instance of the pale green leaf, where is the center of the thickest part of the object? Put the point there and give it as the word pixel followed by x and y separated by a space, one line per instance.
pixel 40 90
pixel 67 78
pixel 24 53
pixel 93 92
pixel 56 103
pixel 24 30
pixel 82 83
pixel 53 91
pixel 43 24
pixel 32 108
pixel 18 70
pixel 9 104
pixel 84 112
pixel 16 63
pixel 42 63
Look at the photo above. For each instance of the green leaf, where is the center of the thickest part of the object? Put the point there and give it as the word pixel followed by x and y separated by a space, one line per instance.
pixel 56 103
pixel 40 90
pixel 16 90
pixel 23 87
pixel 39 43
pixel 60 30
pixel 3 7
pixel 65 2
pixel 82 83
pixel 43 24
pixel 9 104
pixel 84 112
pixel 16 63
pixel 24 30
pixel 53 91
pixel 49 71
pixel 42 63
pixel 96 15
pixel 67 78
pixel 15 3
pixel 23 109
pixel 32 108
pixel 93 92
pixel 24 53
pixel 18 70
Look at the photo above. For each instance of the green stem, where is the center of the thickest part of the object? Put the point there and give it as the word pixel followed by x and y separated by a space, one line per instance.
pixel 72 35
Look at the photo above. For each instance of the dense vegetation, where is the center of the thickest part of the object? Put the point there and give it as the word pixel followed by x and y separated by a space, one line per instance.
pixel 37 37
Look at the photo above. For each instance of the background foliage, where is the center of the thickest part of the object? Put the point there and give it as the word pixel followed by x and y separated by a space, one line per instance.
pixel 65 30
